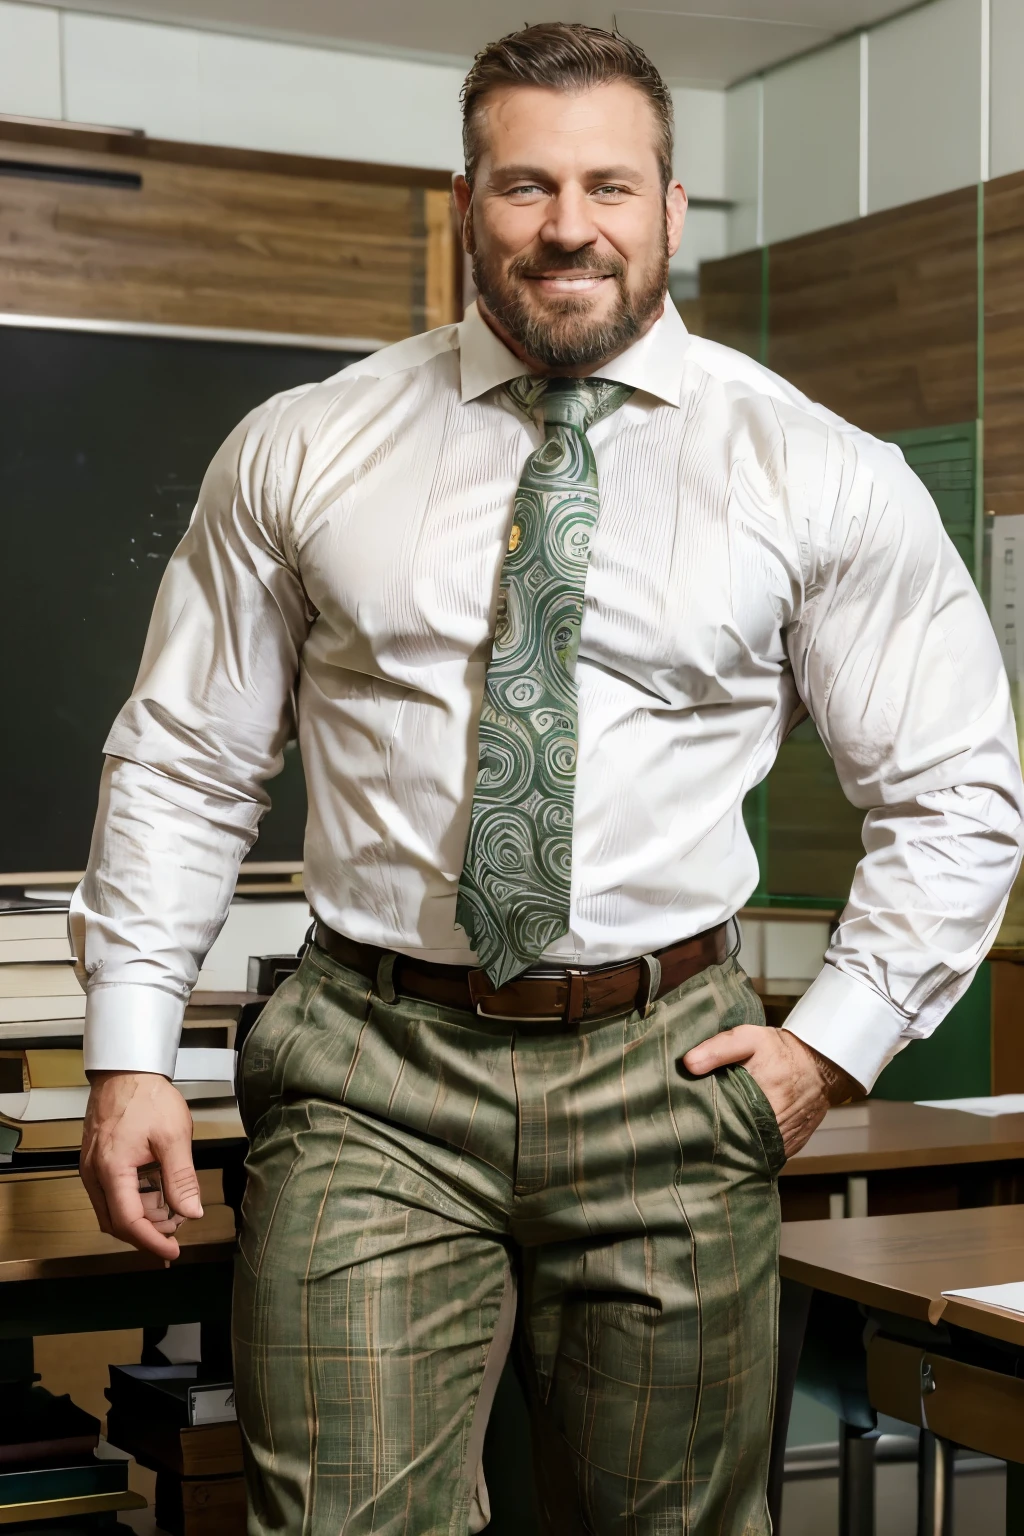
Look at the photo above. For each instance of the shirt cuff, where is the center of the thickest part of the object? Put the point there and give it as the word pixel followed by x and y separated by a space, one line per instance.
pixel 846 1021
pixel 131 1028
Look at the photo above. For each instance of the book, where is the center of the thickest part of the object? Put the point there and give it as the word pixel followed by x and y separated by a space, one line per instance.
pixel 29 1010
pixel 210 1450
pixel 209 1074
pixel 33 923
pixel 200 1506
pixel 170 1394
pixel 20 951
pixel 22 1071
pixel 212 1121
pixel 37 1426
pixel 70 1103
pixel 29 980
pixel 29 1485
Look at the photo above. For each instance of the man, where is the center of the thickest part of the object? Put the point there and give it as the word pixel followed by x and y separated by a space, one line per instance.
pixel 545 591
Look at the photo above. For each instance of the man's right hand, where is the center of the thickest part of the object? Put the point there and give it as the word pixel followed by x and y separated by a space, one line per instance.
pixel 135 1119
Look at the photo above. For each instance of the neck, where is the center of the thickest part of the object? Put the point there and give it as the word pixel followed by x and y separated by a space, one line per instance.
pixel 537 367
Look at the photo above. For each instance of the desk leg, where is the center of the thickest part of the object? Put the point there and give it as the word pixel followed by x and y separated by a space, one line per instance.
pixel 1014 1498
pixel 794 1305
pixel 856 1481
pixel 934 1486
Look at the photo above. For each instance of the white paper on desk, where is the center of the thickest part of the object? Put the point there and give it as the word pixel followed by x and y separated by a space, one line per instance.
pixel 981 1104
pixel 1010 1296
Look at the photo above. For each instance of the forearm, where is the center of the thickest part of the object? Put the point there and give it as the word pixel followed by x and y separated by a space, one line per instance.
pixel 161 875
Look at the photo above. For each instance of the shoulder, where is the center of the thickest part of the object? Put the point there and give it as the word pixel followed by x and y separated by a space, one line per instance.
pixel 281 446
pixel 347 399
pixel 806 453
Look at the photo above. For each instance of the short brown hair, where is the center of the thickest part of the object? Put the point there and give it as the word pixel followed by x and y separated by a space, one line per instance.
pixel 564 56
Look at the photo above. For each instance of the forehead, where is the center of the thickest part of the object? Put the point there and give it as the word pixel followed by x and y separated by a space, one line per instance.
pixel 614 123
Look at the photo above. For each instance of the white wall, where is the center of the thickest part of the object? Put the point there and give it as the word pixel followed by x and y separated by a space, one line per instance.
pixel 216 88
pixel 924 103
pixel 812 174
pixel 29 61
pixel 700 166
pixel 743 164
pixel 928 102
pixel 1007 151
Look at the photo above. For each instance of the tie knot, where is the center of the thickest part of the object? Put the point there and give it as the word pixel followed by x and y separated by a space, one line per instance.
pixel 576 403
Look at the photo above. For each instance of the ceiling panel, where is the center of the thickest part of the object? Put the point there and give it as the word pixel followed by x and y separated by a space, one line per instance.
pixel 713 50
pixel 703 42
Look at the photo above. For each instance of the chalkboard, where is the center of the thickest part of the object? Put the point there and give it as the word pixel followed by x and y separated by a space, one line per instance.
pixel 104 440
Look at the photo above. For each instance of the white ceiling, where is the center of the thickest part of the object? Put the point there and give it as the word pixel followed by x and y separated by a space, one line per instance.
pixel 693 42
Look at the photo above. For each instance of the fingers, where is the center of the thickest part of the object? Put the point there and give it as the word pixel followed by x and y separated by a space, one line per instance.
pixel 181 1185
pixel 722 1050
pixel 94 1189
pixel 136 1160
pixel 128 1219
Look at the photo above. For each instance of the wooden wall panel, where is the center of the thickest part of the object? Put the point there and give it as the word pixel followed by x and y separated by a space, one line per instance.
pixel 1004 344
pixel 878 318
pixel 729 307
pixel 218 238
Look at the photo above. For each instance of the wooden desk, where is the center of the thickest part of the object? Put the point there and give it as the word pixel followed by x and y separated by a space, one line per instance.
pixel 897 1267
pixel 60 1274
pixel 881 1134
pixel 902 1264
pixel 880 1158
pixel 915 1159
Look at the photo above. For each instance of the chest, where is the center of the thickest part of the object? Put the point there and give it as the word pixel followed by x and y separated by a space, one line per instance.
pixel 404 567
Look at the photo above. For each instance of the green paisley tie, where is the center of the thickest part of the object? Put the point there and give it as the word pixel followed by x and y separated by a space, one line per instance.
pixel 514 893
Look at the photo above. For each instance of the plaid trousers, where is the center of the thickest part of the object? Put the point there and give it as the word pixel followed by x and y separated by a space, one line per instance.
pixel 417 1175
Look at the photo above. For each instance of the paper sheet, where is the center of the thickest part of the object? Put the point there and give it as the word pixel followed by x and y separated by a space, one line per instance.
pixel 981 1104
pixel 1010 1296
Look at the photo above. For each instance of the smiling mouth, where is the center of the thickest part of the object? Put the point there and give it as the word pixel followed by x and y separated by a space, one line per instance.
pixel 568 282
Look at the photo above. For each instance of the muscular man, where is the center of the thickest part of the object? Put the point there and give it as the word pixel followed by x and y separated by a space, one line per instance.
pixel 543 593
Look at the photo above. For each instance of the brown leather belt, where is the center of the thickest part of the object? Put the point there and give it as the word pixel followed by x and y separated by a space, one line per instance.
pixel 557 995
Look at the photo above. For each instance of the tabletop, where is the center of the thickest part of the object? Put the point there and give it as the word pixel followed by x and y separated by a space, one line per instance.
pixel 49 1230
pixel 879 1133
pixel 903 1263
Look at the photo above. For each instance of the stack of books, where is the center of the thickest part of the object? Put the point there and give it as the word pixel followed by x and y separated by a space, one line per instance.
pixel 40 998
pixel 44 1092
pixel 183 1428
pixel 49 1470
pixel 43 1088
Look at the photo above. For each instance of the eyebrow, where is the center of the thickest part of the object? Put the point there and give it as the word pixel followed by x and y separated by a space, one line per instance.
pixel 535 173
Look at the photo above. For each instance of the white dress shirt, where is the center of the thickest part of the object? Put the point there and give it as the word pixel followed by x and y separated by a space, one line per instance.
pixel 754 555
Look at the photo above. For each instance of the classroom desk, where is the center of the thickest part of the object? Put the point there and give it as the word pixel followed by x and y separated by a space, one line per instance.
pixel 914 1158
pixel 896 1268
pixel 880 1157
pixel 60 1274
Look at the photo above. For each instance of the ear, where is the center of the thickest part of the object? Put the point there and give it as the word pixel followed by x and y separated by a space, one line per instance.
pixel 675 215
pixel 462 196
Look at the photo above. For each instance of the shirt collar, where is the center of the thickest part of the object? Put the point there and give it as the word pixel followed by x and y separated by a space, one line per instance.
pixel 654 364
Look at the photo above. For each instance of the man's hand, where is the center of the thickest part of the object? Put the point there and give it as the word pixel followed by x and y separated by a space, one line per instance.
pixel 799 1084
pixel 135 1119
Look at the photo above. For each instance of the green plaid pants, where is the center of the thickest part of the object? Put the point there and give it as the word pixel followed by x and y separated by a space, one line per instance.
pixel 414 1169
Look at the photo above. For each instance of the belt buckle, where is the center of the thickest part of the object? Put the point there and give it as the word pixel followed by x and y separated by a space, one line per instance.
pixel 547 972
pixel 522 1018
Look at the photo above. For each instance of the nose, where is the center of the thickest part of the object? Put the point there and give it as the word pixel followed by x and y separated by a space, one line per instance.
pixel 570 221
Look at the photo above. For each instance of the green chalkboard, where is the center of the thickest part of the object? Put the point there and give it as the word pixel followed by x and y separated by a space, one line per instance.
pixel 104 439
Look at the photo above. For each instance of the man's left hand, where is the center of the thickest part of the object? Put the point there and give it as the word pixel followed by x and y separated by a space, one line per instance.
pixel 799 1084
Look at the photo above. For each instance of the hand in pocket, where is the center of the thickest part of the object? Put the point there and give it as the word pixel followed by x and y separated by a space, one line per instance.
pixel 799 1084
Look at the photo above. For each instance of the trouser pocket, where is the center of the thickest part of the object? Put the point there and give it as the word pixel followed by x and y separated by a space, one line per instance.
pixel 762 1118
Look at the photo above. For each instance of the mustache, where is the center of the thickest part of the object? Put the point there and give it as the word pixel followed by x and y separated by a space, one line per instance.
pixel 551 258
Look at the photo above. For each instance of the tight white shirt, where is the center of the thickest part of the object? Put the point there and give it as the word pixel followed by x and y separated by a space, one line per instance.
pixel 755 557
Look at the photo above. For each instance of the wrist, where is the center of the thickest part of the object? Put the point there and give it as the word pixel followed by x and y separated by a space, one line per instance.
pixel 838 1086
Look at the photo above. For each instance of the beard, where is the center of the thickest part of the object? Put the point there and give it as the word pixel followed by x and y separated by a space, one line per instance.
pixel 565 333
